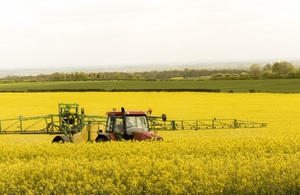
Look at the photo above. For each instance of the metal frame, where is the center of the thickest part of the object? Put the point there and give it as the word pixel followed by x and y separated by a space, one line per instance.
pixel 68 122
pixel 202 124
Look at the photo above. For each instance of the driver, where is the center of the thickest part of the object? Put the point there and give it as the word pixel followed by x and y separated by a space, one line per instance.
pixel 129 123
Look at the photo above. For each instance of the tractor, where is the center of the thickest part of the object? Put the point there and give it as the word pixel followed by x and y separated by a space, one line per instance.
pixel 127 125
pixel 120 125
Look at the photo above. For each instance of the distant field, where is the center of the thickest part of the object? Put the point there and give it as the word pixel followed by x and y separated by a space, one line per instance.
pixel 273 86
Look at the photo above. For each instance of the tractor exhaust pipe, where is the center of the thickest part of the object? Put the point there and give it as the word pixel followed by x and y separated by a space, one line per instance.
pixel 124 119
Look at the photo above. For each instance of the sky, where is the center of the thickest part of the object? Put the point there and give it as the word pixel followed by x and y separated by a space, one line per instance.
pixel 107 33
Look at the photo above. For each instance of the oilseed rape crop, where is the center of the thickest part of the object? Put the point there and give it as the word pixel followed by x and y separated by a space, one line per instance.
pixel 213 161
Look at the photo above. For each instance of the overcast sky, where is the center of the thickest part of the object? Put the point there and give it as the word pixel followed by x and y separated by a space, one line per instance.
pixel 66 33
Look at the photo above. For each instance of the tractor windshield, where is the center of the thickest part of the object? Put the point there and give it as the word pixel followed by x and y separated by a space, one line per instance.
pixel 133 123
pixel 136 123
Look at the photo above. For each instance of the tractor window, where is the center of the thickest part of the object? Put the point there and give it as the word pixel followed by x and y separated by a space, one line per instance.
pixel 119 127
pixel 115 125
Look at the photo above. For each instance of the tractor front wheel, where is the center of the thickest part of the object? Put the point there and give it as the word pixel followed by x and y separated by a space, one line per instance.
pixel 61 139
pixel 101 139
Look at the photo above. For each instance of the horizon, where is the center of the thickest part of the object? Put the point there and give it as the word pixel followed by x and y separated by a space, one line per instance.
pixel 295 62
pixel 205 66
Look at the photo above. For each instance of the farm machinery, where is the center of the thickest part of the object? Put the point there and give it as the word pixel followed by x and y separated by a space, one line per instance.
pixel 71 124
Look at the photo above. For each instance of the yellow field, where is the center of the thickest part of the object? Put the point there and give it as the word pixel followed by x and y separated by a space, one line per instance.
pixel 231 161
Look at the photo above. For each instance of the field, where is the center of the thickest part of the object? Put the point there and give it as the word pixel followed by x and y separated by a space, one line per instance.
pixel 225 161
pixel 274 86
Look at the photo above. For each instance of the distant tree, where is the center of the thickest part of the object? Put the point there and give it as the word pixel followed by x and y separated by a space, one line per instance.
pixel 217 76
pixel 227 76
pixel 57 76
pixel 80 76
pixel 244 76
pixel 92 75
pixel 270 75
pixel 255 70
pixel 117 76
pixel 137 76
pixel 283 68
pixel 293 74
pixel 267 67
pixel 235 76
pixel 189 73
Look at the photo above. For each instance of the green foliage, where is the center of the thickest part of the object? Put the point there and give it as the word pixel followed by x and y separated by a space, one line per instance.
pixel 283 68
pixel 104 76
pixel 269 71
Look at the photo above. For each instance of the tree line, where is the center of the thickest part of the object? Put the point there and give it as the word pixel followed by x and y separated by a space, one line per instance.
pixel 268 71
pixel 277 70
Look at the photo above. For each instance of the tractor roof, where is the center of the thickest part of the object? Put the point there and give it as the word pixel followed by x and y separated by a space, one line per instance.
pixel 126 112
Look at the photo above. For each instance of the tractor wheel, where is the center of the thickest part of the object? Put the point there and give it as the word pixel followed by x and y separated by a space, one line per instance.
pixel 160 139
pixel 61 139
pixel 101 139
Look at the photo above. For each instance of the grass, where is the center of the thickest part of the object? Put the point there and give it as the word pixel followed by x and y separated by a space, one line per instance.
pixel 273 86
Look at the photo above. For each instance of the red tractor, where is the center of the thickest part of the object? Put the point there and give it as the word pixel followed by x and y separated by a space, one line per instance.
pixel 127 125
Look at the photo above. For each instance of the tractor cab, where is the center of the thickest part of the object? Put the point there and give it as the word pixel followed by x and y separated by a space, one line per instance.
pixel 128 125
pixel 136 121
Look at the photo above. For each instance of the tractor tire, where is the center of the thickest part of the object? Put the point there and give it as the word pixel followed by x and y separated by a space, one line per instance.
pixel 101 139
pixel 160 139
pixel 61 139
